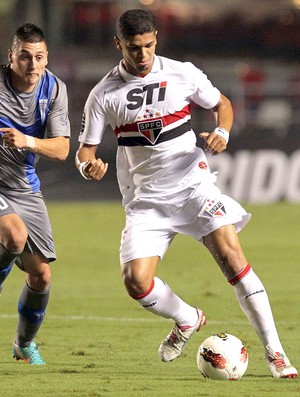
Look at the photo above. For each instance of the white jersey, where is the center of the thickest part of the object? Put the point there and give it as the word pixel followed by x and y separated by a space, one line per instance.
pixel 157 153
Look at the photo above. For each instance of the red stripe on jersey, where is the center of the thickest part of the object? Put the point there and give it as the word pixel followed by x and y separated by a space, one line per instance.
pixel 234 280
pixel 167 120
pixel 145 293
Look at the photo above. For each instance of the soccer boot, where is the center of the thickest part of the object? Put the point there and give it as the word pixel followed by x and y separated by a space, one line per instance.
pixel 28 354
pixel 280 365
pixel 173 344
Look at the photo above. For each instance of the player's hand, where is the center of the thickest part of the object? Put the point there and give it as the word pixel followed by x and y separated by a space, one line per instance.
pixel 95 169
pixel 214 143
pixel 13 138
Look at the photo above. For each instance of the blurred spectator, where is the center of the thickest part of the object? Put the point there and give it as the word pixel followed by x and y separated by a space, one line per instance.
pixel 293 87
pixel 92 23
pixel 253 80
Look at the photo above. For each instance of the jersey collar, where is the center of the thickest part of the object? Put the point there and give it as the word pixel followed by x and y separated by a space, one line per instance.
pixel 157 66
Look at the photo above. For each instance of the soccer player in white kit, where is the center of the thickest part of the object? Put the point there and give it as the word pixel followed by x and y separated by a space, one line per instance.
pixel 33 122
pixel 166 183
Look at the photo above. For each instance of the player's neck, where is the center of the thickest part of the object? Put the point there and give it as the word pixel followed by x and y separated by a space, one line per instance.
pixel 20 85
pixel 136 72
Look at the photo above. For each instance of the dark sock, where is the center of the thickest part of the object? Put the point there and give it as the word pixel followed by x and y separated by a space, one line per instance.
pixel 31 307
pixel 7 260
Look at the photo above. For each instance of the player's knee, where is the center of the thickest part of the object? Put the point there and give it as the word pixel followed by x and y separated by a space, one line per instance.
pixel 15 237
pixel 39 284
pixel 39 279
pixel 129 282
pixel 16 243
pixel 135 284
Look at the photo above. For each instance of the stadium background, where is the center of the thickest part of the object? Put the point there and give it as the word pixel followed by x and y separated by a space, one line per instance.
pixel 250 49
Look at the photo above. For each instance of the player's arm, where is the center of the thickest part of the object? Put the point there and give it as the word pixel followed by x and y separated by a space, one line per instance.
pixel 88 165
pixel 216 141
pixel 56 148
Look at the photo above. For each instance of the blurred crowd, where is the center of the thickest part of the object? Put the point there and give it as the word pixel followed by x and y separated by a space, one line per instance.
pixel 227 33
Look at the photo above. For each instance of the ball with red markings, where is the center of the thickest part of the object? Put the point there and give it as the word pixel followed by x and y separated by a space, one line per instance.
pixel 222 357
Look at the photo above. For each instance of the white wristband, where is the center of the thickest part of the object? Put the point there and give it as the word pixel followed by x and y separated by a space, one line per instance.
pixel 81 166
pixel 30 142
pixel 222 132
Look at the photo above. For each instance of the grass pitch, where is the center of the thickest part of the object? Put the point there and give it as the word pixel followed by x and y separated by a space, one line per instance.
pixel 98 342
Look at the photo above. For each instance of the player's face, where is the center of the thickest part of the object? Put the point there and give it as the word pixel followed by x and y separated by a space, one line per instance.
pixel 28 62
pixel 138 52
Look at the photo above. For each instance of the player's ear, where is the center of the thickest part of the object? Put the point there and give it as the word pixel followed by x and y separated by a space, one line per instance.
pixel 9 55
pixel 118 43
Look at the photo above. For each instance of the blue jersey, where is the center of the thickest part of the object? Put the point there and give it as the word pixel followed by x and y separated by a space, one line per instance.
pixel 41 113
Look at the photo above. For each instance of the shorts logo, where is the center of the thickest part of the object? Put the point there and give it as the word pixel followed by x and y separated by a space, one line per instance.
pixel 3 204
pixel 215 207
pixel 202 165
pixel 151 129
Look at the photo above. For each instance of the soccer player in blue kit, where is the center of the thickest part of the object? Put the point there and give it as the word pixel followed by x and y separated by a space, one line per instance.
pixel 166 183
pixel 33 122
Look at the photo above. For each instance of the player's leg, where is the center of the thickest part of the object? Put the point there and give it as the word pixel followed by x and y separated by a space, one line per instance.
pixel 225 247
pixel 13 236
pixel 39 251
pixel 156 296
pixel 145 240
pixel 153 294
pixel 32 306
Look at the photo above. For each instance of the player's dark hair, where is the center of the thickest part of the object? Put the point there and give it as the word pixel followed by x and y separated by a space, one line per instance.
pixel 134 22
pixel 28 32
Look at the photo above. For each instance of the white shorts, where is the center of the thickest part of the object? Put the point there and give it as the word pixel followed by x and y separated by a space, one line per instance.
pixel 151 225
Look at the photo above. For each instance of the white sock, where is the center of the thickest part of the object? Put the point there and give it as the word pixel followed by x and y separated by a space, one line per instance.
pixel 162 301
pixel 254 302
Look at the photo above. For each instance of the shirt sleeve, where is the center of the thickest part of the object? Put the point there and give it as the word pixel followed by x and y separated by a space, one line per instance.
pixel 93 121
pixel 58 123
pixel 205 94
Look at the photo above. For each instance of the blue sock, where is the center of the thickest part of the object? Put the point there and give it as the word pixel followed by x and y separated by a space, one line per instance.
pixel 4 272
pixel 31 307
pixel 7 259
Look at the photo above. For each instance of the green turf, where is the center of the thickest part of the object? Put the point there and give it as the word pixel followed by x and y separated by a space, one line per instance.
pixel 98 342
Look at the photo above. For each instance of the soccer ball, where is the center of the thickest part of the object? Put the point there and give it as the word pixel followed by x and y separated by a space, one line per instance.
pixel 222 357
